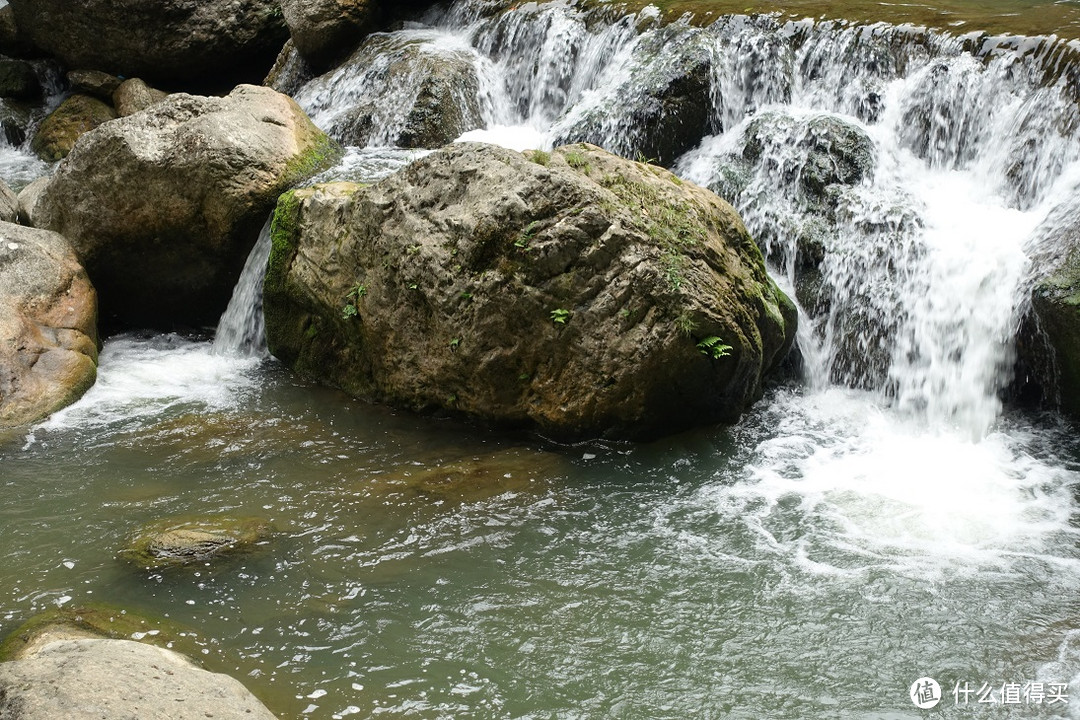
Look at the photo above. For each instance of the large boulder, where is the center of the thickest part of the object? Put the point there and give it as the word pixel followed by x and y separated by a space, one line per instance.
pixel 87 678
pixel 163 206
pixel 76 116
pixel 324 31
pixel 574 293
pixel 398 89
pixel 219 42
pixel 48 332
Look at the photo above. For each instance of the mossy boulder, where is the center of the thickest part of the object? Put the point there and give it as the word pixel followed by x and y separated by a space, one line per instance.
pixel 96 620
pixel 76 116
pixel 163 206
pixel 574 293
pixel 178 542
pixel 18 80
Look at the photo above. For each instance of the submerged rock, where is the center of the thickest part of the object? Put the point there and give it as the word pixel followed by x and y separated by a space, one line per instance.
pixel 475 477
pixel 397 90
pixel 163 206
pixel 95 620
pixel 75 117
pixel 165 41
pixel 48 325
pixel 172 543
pixel 575 293
pixel 94 678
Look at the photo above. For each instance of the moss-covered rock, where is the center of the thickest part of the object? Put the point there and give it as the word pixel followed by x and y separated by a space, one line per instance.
pixel 76 116
pixel 571 292
pixel 176 542
pixel 96 620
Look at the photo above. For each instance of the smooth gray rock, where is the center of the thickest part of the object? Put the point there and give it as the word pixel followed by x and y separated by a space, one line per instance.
pixel 91 679
pixel 133 95
pixel 327 30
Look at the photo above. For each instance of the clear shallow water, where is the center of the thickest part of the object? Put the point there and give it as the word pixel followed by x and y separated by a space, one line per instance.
pixel 811 562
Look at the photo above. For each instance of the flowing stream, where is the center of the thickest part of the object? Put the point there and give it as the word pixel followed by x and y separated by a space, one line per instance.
pixel 885 518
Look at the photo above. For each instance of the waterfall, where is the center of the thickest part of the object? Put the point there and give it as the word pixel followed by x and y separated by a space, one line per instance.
pixel 892 175
pixel 242 330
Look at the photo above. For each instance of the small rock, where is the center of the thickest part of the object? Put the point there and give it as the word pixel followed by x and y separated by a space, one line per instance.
pixel 101 85
pixel 173 543
pixel 134 95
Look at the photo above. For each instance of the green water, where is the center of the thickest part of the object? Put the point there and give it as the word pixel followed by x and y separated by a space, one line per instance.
pixel 672 580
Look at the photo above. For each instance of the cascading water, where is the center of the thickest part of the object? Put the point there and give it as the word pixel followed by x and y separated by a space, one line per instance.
pixel 902 184
pixel 242 330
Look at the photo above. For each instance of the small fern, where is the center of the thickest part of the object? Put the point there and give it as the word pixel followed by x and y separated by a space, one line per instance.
pixel 714 347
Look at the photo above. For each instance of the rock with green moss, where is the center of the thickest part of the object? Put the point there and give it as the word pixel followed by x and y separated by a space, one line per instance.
pixel 96 620
pixel 48 325
pixel 76 116
pixel 173 543
pixel 574 293
pixel 164 205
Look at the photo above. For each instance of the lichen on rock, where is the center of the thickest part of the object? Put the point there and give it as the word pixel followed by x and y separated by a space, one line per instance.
pixel 567 292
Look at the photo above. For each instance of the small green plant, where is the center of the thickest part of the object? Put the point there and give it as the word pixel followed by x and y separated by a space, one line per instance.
pixel 352 301
pixel 578 161
pixel 714 347
pixel 559 316
pixel 454 343
pixel 526 235
pixel 466 296
pixel 685 323
pixel 414 286
pixel 645 160
pixel 540 157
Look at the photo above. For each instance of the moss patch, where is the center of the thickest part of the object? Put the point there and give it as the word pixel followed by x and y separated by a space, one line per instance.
pixel 97 620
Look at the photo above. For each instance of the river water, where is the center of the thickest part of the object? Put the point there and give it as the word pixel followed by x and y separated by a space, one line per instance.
pixel 883 519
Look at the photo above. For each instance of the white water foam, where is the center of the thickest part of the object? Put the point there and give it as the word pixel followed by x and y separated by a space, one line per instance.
pixel 146 378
